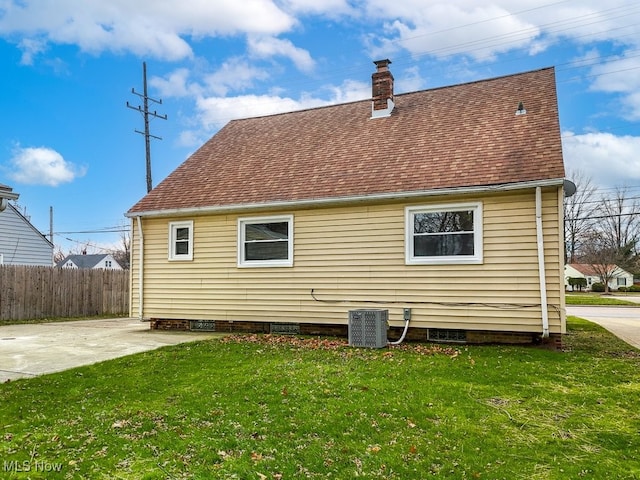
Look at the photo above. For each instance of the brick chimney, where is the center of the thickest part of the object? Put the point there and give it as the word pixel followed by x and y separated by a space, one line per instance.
pixel 382 90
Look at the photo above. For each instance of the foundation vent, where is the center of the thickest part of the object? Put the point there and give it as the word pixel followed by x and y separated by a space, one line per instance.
pixel 446 335
pixel 202 325
pixel 283 328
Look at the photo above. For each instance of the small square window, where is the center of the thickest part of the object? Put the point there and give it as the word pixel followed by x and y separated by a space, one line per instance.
pixel 181 240
pixel 444 234
pixel 265 241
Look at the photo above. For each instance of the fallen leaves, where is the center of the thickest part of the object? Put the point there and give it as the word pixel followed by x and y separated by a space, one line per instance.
pixel 120 424
pixel 310 343
pixel 256 457
pixel 328 343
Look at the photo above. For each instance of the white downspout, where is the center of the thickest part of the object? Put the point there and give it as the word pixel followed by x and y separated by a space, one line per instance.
pixel 140 268
pixel 541 269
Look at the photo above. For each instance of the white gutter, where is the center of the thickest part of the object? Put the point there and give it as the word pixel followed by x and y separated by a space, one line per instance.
pixel 318 202
pixel 140 268
pixel 541 269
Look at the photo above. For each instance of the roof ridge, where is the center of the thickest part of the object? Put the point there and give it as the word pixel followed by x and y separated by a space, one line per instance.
pixel 431 89
pixel 480 80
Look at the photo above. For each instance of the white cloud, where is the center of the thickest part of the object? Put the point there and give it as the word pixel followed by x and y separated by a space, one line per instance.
pixel 214 112
pixel 176 84
pixel 449 28
pixel 329 8
pixel 42 166
pixel 158 28
pixel 410 80
pixel 267 47
pixel 480 29
pixel 620 75
pixel 608 159
pixel 483 29
pixel 349 91
pixel 31 47
pixel 234 75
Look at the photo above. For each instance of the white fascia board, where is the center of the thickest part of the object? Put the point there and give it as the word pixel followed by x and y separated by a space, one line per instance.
pixel 338 201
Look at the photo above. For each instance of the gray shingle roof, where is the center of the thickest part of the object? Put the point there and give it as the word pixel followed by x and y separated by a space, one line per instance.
pixel 83 261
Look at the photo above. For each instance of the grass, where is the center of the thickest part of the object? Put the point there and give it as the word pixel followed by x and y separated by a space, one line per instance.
pixel 57 319
pixel 595 299
pixel 260 407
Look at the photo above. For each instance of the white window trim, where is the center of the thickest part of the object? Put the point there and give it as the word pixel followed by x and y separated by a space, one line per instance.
pixel 475 259
pixel 173 226
pixel 288 262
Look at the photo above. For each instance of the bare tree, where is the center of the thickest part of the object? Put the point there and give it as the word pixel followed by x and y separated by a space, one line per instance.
pixel 602 255
pixel 579 210
pixel 123 254
pixel 619 222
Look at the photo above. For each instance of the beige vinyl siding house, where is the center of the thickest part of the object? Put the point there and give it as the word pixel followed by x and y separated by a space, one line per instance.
pixel 351 257
pixel 235 238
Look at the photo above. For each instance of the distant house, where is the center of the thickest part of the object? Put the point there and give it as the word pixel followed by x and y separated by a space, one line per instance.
pixel 621 278
pixel 442 207
pixel 20 242
pixel 105 261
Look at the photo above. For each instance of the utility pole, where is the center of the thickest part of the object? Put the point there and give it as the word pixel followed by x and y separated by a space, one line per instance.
pixel 51 224
pixel 146 114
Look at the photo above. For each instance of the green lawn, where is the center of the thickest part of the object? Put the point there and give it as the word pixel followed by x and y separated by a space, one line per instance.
pixel 260 407
pixel 588 298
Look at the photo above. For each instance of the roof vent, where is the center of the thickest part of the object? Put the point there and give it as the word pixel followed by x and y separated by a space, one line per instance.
pixel 382 90
pixel 521 110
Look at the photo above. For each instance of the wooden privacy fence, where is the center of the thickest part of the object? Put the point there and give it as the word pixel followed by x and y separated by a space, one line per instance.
pixel 44 292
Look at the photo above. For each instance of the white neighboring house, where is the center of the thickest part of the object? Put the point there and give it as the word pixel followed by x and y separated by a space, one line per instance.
pixel 621 278
pixel 20 242
pixel 105 261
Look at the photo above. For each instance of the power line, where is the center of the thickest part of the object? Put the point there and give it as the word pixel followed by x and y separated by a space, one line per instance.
pixel 601 217
pixel 104 230
pixel 89 244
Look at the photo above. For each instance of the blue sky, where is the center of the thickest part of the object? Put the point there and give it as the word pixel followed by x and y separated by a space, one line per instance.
pixel 67 140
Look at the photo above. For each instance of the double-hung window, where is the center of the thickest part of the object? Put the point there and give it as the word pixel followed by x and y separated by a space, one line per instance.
pixel 444 234
pixel 265 241
pixel 181 240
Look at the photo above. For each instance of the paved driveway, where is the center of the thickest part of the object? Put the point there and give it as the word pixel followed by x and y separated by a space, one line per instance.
pixel 30 350
pixel 623 322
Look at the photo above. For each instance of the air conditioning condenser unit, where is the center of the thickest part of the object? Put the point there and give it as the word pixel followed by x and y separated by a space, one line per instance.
pixel 368 328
